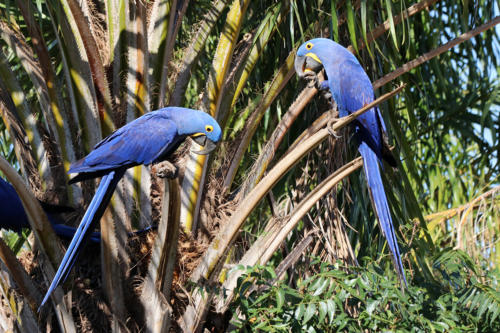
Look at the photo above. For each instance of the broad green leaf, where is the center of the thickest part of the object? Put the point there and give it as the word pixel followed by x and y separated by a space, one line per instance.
pixel 323 310
pixel 280 298
pixel 319 290
pixel 309 313
pixel 299 312
pixel 330 304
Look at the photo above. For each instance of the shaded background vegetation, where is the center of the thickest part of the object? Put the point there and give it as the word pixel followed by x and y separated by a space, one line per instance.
pixel 255 252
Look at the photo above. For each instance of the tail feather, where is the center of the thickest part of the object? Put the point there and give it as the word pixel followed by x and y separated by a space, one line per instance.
pixel 379 199
pixel 68 232
pixel 92 216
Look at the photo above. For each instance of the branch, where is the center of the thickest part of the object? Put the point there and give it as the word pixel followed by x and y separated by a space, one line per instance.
pixel 434 53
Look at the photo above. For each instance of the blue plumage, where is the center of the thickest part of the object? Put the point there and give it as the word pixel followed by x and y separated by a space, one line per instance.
pixel 352 89
pixel 13 217
pixel 148 139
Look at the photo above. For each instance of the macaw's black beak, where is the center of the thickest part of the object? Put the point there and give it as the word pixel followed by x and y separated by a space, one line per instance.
pixel 207 144
pixel 305 66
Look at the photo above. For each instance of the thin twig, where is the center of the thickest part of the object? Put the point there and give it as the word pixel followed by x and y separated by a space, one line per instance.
pixel 449 213
pixel 434 53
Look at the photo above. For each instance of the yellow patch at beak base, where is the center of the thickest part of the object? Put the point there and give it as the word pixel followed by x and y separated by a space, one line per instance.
pixel 197 134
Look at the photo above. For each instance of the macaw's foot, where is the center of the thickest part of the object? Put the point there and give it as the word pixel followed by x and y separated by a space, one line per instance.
pixel 329 127
pixel 165 169
pixel 311 82
pixel 326 93
pixel 312 79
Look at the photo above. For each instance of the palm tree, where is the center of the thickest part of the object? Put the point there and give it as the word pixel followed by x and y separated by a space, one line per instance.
pixel 73 71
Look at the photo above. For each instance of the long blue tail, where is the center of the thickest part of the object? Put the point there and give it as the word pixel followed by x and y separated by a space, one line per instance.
pixel 379 199
pixel 66 231
pixel 92 216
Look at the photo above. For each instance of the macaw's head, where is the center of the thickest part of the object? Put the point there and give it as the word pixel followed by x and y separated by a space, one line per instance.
pixel 310 54
pixel 200 126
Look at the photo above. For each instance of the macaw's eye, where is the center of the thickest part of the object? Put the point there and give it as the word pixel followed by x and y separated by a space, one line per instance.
pixel 309 46
pixel 209 128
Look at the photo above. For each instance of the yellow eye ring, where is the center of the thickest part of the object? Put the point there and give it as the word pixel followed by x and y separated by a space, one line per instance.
pixel 309 46
pixel 209 128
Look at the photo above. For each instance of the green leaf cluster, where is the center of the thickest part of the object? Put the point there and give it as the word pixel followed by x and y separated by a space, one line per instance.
pixel 338 298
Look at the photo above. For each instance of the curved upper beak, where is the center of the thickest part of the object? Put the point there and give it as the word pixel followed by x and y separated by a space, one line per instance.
pixel 306 64
pixel 207 144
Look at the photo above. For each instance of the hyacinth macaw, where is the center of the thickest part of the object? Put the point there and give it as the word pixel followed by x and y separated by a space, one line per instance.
pixel 351 89
pixel 148 139
pixel 13 216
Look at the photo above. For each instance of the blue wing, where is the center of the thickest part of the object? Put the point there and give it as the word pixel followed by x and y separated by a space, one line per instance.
pixel 13 216
pixel 356 91
pixel 126 146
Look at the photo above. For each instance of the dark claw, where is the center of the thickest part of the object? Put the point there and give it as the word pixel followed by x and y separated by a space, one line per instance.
pixel 311 83
pixel 166 169
pixel 330 129
pixel 333 133
pixel 310 75
pixel 312 79
pixel 326 94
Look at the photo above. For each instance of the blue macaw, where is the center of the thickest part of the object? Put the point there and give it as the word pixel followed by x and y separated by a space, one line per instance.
pixel 148 139
pixel 351 89
pixel 13 216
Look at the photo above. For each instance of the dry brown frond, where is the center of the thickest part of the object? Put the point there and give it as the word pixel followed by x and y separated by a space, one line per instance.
pixel 97 19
